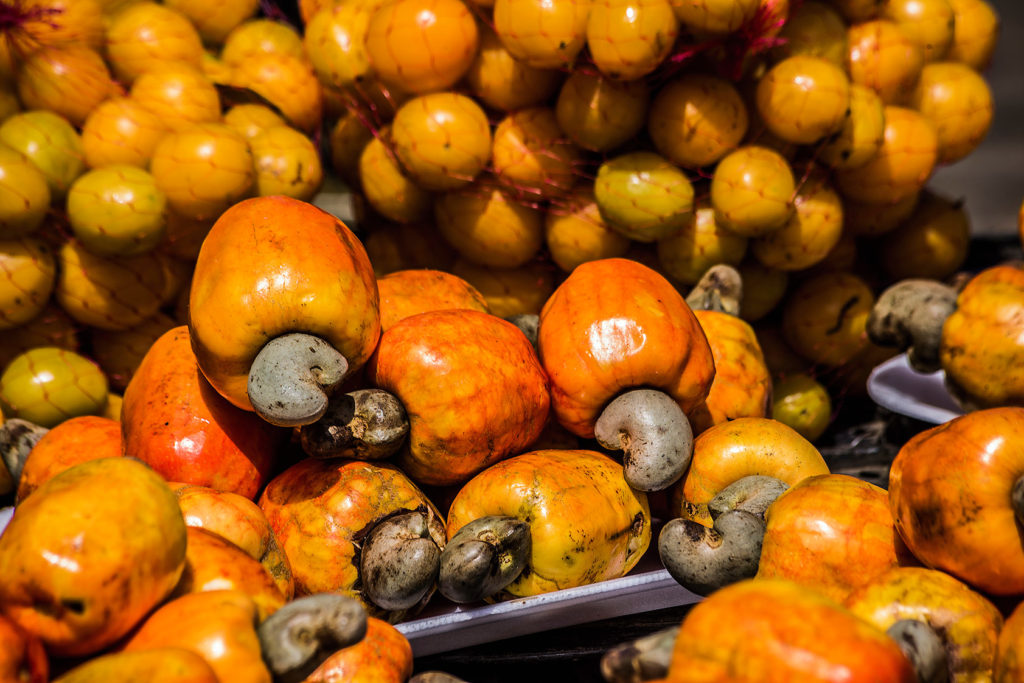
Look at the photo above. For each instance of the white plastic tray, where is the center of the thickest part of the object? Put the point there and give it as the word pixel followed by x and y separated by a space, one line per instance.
pixel 923 396
pixel 445 626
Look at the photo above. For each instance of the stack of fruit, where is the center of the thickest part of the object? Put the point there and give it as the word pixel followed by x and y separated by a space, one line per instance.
pixel 500 389
pixel 123 139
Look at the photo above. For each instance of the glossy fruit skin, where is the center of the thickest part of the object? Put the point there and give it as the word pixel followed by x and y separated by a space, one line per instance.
pixel 218 625
pixel 770 631
pixel 599 113
pixel 288 82
pixel 239 520
pixel 628 39
pixel 966 621
pixel 803 99
pixel 22 656
pixel 319 511
pixel 697 118
pixel 29 273
pixel 287 163
pixel 831 533
pixel 113 564
pixel 587 525
pixel 174 421
pixel 301 269
pixel 203 169
pixel 615 324
pixel 882 57
pixel 962 521
pixel 405 293
pixel 803 403
pixel 752 191
pixel 75 440
pixel 161 665
pixel 214 563
pixel 727 452
pixel 148 35
pixel 980 349
pixel 742 386
pixel 384 655
pixel 48 385
pixel 120 130
pixel 117 210
pixel 541 34
pixel 422 45
pixel 929 23
pixel 442 140
pixel 50 142
pixel 70 80
pixel 335 42
pixel 472 386
pixel 643 196
pixel 24 194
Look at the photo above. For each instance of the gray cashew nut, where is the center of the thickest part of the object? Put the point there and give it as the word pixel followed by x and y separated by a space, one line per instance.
pixel 654 435
pixel 368 424
pixel 909 315
pixel 299 636
pixel 399 562
pixel 292 378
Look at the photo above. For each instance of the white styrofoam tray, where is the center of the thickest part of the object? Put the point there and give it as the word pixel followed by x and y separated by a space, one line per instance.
pixel 895 385
pixel 444 626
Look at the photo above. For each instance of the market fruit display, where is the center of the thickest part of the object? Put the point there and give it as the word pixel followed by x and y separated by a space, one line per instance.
pixel 495 378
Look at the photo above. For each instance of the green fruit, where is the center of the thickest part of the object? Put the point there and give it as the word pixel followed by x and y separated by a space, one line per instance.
pixel 801 402
pixel 24 194
pixel 47 385
pixel 117 211
pixel 49 142
pixel 643 196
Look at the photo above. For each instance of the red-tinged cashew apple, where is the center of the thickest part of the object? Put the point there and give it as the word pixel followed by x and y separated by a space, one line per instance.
pixel 283 307
pixel 956 492
pixel 543 521
pixel 975 335
pixel 173 420
pixel 471 385
pixel 778 631
pixel 90 553
pixel 215 563
pixel 356 528
pixel 218 625
pixel 831 533
pixel 239 520
pixel 627 360
pixel 966 623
